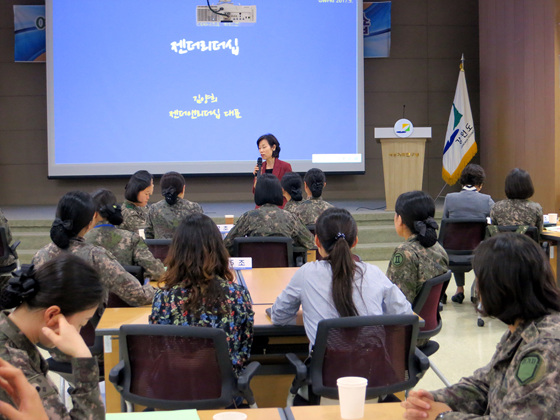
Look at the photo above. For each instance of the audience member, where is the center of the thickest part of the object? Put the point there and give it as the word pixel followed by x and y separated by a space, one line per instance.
pixel 165 216
pixel 292 185
pixel 312 208
pixel 5 261
pixel 517 286
pixel 137 193
pixel 469 202
pixel 200 290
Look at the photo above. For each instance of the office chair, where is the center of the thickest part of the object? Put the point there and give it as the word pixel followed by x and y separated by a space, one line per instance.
pixel 266 251
pixel 381 349
pixel 158 247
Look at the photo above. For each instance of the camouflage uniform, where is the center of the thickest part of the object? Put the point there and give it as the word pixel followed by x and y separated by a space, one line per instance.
pixel 292 206
pixel 135 217
pixel 310 210
pixel 412 264
pixel 127 247
pixel 269 220
pixel 520 382
pixel 16 349
pixel 5 262
pixel 517 212
pixel 164 219
pixel 114 278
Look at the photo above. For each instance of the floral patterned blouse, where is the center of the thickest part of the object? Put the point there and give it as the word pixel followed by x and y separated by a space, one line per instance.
pixel 167 308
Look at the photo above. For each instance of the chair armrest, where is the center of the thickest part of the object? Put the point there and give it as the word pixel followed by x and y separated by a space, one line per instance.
pixel 246 375
pixel 13 249
pixel 423 362
pixel 301 372
pixel 116 375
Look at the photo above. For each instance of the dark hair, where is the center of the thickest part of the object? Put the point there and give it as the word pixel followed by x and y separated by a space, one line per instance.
pixel 172 184
pixel 74 212
pixel 107 207
pixel 315 180
pixel 291 183
pixel 268 190
pixel 196 258
pixel 337 232
pixel 519 185
pixel 473 175
pixel 514 278
pixel 417 210
pixel 137 182
pixel 66 281
pixel 272 141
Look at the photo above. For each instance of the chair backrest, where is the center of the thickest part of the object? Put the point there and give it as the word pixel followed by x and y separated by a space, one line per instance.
pixel 159 247
pixel 461 236
pixel 114 301
pixel 531 231
pixel 378 348
pixel 266 251
pixel 176 367
pixel 426 305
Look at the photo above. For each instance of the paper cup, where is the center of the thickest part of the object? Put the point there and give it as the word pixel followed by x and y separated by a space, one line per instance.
pixel 229 219
pixel 553 218
pixel 231 415
pixel 352 396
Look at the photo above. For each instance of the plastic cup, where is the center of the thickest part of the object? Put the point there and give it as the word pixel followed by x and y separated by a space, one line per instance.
pixel 352 396
pixel 231 415
pixel 553 218
pixel 229 219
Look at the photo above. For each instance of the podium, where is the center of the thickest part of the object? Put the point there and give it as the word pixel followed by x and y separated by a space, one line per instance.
pixel 403 161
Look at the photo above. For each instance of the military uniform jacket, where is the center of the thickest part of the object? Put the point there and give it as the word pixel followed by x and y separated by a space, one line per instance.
pixel 163 219
pixel 517 212
pixel 412 264
pixel 310 210
pixel 4 262
pixel 292 206
pixel 522 381
pixel 16 349
pixel 135 217
pixel 269 220
pixel 127 247
pixel 113 276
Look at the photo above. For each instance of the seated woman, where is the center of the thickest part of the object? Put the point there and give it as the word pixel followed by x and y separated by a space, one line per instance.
pixel 165 215
pixel 469 202
pixel 291 190
pixel 517 286
pixel 337 286
pixel 51 304
pixel 10 260
pixel 137 193
pixel 420 257
pixel 127 247
pixel 517 209
pixel 200 289
pixel 74 218
pixel 269 219
pixel 312 208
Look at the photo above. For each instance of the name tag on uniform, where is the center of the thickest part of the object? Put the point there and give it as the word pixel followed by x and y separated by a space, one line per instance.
pixel 241 263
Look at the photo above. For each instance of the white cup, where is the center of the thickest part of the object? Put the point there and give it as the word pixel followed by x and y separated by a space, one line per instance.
pixel 230 415
pixel 553 218
pixel 352 396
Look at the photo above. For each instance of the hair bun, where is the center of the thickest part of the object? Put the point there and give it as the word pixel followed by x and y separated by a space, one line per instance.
pixel 66 224
pixel 20 287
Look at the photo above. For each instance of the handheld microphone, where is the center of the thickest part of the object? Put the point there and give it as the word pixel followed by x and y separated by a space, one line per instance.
pixel 259 165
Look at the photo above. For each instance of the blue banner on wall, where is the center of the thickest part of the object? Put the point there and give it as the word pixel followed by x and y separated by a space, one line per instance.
pixel 29 28
pixel 377 29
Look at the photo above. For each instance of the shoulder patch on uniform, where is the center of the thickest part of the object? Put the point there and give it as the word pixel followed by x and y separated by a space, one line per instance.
pixel 398 259
pixel 527 369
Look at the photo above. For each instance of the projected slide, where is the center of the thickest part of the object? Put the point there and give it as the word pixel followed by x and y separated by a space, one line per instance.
pixel 172 85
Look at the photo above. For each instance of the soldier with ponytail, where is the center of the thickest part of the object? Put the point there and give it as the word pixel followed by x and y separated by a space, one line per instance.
pixel 312 208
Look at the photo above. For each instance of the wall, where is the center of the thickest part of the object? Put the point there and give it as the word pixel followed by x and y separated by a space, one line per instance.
pixel 428 37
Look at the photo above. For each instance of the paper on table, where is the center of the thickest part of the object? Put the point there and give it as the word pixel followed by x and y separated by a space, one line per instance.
pixel 553 229
pixel 154 415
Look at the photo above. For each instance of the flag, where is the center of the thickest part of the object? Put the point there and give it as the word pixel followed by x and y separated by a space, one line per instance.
pixel 460 145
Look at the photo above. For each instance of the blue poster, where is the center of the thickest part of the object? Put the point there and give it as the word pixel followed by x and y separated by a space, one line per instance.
pixel 29 29
pixel 377 29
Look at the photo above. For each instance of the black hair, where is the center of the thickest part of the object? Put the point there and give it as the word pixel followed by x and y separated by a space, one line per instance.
pixel 337 232
pixel 107 207
pixel 292 184
pixel 519 185
pixel 172 184
pixel 472 175
pixel 74 212
pixel 272 141
pixel 66 281
pixel 514 278
pixel 315 180
pixel 417 210
pixel 137 182
pixel 268 190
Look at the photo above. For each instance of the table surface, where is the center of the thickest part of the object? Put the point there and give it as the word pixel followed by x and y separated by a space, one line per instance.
pixel 265 284
pixel 385 411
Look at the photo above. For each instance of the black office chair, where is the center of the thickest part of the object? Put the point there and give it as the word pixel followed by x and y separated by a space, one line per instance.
pixel 381 349
pixel 531 231
pixel 266 251
pixel 158 247
pixel 172 367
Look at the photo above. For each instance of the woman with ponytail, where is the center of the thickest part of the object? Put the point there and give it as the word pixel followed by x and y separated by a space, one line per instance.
pixel 420 257
pixel 74 218
pixel 51 304
pixel 165 216
pixel 312 208
pixel 127 247
pixel 337 286
pixel 292 191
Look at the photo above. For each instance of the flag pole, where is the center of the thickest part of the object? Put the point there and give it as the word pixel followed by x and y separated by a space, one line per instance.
pixel 462 62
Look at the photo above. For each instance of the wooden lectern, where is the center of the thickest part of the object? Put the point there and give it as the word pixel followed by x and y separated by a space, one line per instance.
pixel 403 161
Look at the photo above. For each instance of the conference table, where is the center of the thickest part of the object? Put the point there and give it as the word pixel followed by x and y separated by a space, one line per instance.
pixel 554 238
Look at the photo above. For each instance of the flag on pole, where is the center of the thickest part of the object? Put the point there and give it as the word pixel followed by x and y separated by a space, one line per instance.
pixel 460 145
